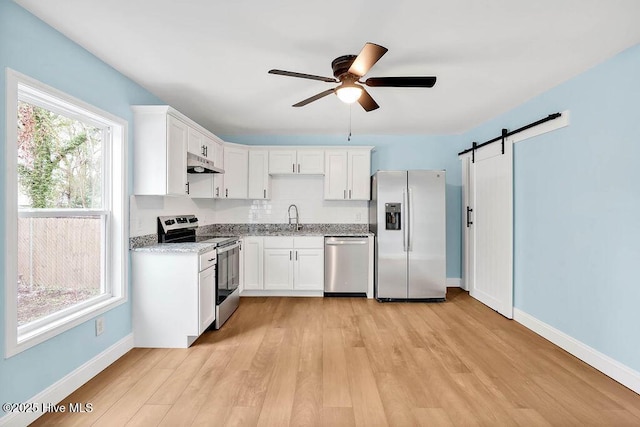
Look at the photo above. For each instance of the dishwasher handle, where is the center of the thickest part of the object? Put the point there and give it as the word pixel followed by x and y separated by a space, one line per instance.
pixel 345 240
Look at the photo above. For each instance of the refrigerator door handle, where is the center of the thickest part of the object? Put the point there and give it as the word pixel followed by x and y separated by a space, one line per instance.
pixel 405 213
pixel 410 223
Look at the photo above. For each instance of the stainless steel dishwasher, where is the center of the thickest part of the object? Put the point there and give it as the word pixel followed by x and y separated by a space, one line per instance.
pixel 346 266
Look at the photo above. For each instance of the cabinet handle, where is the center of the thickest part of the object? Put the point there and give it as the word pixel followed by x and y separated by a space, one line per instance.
pixel 202 150
pixel 290 255
pixel 349 193
pixel 226 192
pixel 217 191
pixel 264 192
pixel 296 255
pixel 187 188
pixel 298 167
pixel 293 167
pixel 344 194
pixel 206 151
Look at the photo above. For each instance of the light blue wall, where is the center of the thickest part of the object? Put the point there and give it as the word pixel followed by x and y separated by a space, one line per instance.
pixel 29 46
pixel 577 199
pixel 398 152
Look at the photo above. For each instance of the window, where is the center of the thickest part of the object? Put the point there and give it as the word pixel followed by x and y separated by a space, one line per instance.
pixel 65 208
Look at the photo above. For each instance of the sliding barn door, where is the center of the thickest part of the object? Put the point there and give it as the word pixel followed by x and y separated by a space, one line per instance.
pixel 488 261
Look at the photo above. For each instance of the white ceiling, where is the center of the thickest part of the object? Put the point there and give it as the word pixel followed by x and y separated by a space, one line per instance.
pixel 209 59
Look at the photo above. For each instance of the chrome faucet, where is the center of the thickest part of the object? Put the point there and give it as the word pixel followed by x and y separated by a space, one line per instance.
pixel 298 225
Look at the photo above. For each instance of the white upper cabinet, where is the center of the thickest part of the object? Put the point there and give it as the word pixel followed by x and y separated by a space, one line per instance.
pixel 259 179
pixel 195 143
pixel 176 157
pixel 359 174
pixel 236 167
pixel 335 177
pixel 160 152
pixel 162 139
pixel 300 161
pixel 347 174
pixel 310 162
pixel 218 178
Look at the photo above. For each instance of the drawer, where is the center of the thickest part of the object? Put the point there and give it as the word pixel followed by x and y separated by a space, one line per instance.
pixel 308 242
pixel 207 260
pixel 280 242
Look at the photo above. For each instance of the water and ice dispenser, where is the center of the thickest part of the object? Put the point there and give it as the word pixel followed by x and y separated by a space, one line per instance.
pixel 392 213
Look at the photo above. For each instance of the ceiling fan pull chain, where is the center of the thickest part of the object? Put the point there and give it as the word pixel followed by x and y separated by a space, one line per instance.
pixel 349 137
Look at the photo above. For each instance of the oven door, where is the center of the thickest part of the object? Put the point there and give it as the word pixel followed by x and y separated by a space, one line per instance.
pixel 228 272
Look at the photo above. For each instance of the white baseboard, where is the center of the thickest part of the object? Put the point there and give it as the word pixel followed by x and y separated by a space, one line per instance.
pixel 454 282
pixel 280 293
pixel 70 383
pixel 621 373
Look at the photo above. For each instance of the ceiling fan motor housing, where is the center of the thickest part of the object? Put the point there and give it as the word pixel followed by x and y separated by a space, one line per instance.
pixel 341 66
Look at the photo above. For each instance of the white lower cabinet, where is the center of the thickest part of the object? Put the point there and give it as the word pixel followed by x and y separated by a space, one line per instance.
pixel 252 248
pixel 278 269
pixel 206 298
pixel 308 272
pixel 294 263
pixel 173 297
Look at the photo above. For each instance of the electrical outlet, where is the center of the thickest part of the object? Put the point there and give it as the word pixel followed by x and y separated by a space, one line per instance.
pixel 358 217
pixel 99 325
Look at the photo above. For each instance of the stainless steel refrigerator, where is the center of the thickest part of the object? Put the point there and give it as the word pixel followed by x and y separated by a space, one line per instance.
pixel 408 216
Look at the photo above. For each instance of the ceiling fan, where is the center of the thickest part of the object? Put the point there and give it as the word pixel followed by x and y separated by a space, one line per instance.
pixel 349 69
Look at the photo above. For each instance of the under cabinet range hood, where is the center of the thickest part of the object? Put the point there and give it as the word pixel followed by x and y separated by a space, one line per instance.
pixel 197 164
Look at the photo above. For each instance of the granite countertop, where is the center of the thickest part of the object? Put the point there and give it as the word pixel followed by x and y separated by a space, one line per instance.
pixel 300 233
pixel 285 230
pixel 148 243
pixel 196 248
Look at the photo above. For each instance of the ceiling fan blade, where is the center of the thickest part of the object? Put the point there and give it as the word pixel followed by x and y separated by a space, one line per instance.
pixel 303 76
pixel 368 56
pixel 314 98
pixel 367 101
pixel 401 81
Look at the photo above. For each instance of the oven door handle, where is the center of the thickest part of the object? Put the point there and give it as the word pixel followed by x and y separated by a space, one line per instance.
pixel 227 248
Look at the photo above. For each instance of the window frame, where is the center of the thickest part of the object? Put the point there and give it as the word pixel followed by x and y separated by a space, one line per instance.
pixel 113 213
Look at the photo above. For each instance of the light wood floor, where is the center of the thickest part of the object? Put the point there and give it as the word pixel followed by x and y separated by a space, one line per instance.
pixel 356 362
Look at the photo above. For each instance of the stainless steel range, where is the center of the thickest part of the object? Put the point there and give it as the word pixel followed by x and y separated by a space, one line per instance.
pixel 182 229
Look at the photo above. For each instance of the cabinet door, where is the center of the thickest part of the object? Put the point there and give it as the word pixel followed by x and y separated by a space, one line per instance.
pixel 310 162
pixel 176 157
pixel 218 178
pixel 335 176
pixel 282 162
pixel 253 257
pixel 206 298
pixel 359 171
pixel 209 148
pixel 278 269
pixel 259 174
pixel 195 142
pixel 236 164
pixel 309 269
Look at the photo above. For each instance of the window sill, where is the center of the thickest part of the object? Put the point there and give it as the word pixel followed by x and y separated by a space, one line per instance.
pixel 50 330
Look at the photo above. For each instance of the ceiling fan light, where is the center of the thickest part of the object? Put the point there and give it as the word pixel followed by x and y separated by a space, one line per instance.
pixel 349 94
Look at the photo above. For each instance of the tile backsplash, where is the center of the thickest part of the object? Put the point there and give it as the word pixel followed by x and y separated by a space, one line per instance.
pixel 306 192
